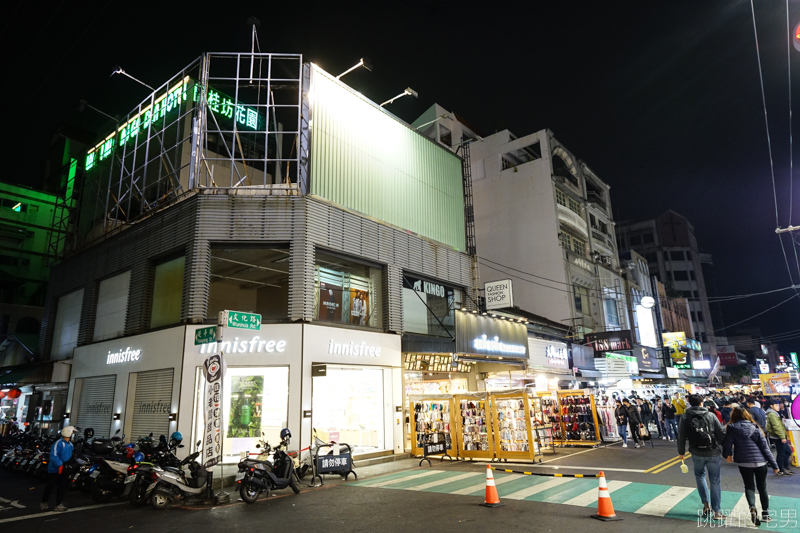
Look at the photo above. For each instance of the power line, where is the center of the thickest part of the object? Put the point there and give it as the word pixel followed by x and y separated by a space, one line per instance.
pixel 758 314
pixel 791 154
pixel 718 299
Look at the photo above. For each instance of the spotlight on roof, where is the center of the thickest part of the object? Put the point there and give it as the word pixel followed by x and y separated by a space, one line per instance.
pixel 365 62
pixel 408 92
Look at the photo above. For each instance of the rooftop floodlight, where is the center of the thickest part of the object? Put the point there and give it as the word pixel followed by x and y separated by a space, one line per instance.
pixel 408 92
pixel 118 70
pixel 365 62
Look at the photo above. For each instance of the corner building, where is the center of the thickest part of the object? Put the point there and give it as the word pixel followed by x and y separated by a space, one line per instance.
pixel 288 195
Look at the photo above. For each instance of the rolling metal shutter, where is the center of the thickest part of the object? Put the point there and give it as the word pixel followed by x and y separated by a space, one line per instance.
pixel 96 407
pixel 152 404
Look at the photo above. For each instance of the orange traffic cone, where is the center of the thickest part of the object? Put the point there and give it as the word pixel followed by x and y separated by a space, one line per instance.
pixel 605 509
pixel 492 499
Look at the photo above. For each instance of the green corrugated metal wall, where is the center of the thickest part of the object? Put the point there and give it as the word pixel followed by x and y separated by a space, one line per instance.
pixel 365 160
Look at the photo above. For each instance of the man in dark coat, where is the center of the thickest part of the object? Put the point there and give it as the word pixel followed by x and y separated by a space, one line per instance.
pixel 635 421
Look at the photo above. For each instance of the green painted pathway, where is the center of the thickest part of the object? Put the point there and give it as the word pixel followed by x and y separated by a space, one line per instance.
pixel 642 498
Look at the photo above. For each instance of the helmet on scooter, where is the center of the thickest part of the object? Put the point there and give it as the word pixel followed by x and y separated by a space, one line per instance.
pixel 138 457
pixel 177 436
pixel 286 434
pixel 129 452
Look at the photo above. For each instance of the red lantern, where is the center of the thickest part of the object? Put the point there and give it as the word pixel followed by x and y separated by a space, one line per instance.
pixel 2 394
pixel 14 394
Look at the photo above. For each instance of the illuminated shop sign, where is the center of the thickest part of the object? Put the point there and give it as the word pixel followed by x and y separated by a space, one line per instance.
pixel 123 356
pixel 701 364
pixel 485 336
pixel 608 341
pixel 556 356
pixel 254 345
pixel 483 344
pixel 166 105
pixel 359 350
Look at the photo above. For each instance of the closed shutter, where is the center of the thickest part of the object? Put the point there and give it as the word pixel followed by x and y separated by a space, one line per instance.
pixel 96 407
pixel 152 404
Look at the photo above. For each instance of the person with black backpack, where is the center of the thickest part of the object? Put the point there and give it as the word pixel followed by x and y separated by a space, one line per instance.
pixel 705 435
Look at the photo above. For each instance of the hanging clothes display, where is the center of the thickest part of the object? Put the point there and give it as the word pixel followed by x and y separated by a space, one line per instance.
pixel 475 435
pixel 431 422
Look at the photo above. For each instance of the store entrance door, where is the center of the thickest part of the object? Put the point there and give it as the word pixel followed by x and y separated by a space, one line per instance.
pixel 152 403
pixel 347 406
pixel 95 408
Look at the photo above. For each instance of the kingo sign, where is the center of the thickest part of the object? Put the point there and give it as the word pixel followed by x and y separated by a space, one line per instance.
pixel 498 294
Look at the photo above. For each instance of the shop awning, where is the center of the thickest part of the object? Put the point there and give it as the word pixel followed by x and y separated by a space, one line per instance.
pixel 15 374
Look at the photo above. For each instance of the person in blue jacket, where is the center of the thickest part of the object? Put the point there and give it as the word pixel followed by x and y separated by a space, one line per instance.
pixel 60 453
pixel 752 454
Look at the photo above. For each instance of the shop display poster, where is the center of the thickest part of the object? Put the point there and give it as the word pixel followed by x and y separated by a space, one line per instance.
pixel 244 419
pixel 775 384
pixel 330 302
pixel 359 307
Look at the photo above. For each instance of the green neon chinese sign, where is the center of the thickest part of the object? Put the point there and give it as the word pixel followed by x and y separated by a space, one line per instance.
pixel 219 104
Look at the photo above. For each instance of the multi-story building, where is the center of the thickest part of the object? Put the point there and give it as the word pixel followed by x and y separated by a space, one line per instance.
pixel 640 306
pixel 669 244
pixel 307 204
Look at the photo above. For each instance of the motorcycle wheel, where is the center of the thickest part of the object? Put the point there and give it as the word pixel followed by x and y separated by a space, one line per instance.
pixel 101 495
pixel 138 496
pixel 159 501
pixel 294 482
pixel 249 492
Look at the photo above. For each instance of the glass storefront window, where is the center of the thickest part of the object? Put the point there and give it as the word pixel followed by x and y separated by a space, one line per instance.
pixel 429 307
pixel 254 401
pixel 347 407
pixel 347 292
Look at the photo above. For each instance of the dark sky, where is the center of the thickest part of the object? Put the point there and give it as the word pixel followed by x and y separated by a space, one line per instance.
pixel 661 98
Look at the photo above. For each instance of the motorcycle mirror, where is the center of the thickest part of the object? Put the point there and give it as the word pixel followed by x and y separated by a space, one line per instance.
pixel 258 446
pixel 117 432
pixel 199 443
pixel 262 434
pixel 151 434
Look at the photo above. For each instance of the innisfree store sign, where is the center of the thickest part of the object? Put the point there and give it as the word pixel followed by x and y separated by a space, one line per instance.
pixel 245 118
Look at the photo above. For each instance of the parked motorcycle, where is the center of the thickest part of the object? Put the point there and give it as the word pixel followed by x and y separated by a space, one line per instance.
pixel 263 475
pixel 174 486
pixel 143 476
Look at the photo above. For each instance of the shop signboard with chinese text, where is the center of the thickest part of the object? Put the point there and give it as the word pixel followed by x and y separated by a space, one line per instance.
pixel 546 353
pixel 485 336
pixel 609 341
pixel 205 335
pixel 727 355
pixel 240 320
pixel 327 464
pixel 212 409
pixel 630 362
pixel 775 384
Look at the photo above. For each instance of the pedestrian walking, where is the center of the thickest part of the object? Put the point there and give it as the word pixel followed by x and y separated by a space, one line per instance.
pixel 712 408
pixel 669 419
pixel 680 407
pixel 621 415
pixel 659 418
pixel 776 432
pixel 705 435
pixel 757 413
pixel 635 422
pixel 60 453
pixel 751 453
pixel 725 412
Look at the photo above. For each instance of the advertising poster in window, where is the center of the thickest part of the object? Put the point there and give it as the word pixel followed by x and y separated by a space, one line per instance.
pixel 330 302
pixel 359 307
pixel 245 412
pixel 775 384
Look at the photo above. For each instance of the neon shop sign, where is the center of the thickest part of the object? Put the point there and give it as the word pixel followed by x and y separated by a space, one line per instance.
pixel 556 356
pixel 166 105
pixel 254 345
pixel 485 344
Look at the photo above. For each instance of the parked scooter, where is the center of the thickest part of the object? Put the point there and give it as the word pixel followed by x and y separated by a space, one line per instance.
pixel 143 476
pixel 263 475
pixel 174 486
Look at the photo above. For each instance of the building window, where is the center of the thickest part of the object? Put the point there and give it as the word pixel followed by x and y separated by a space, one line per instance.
pixel 347 291
pixel 573 244
pixel 581 295
pixel 647 238
pixel 13 205
pixel 635 240
pixel 68 319
pixel 112 307
pixel 610 305
pixel 691 275
pixel 676 255
pixel 561 197
pixel 573 205
pixel 428 307
pixel 652 257
pixel 666 256
pixel 680 275
pixel 700 316
pixel 255 280
pixel 167 293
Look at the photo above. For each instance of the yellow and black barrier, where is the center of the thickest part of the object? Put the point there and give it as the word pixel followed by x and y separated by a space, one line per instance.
pixel 540 474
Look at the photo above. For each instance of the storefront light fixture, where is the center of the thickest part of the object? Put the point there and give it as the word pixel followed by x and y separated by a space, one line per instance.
pixel 66 415
pixel 475 311
pixel 494 315
pixel 463 308
pixel 173 416
pixel 117 415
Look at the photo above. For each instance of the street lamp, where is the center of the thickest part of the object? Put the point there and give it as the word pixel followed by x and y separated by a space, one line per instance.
pixel 408 92
pixel 365 62
pixel 440 117
pixel 118 70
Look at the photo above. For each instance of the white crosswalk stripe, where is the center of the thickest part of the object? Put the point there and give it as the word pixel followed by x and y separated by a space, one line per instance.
pixel 664 503
pixel 530 491
pixel 407 478
pixel 445 481
pixel 740 514
pixel 481 486
pixel 590 496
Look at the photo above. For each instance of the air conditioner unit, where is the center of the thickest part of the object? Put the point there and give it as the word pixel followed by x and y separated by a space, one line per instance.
pixel 606 260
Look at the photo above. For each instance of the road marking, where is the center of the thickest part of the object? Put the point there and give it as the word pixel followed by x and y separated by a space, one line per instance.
pixel 55 513
pixel 530 491
pixel 445 481
pixel 590 496
pixel 402 479
pixel 673 463
pixel 664 503
pixel 577 453
pixel 662 464
pixel 476 488
pixel 594 468
pixel 740 514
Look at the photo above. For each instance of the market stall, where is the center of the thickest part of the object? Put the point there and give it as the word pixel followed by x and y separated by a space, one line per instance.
pixel 432 421
pixel 474 426
pixel 578 418
pixel 512 425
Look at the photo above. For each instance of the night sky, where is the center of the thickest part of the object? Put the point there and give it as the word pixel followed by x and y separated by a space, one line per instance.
pixel 661 98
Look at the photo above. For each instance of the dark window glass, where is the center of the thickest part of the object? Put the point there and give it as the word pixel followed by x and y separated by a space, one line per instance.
pixel 691 274
pixel 680 275
pixel 347 291
pixel 635 240
pixel 647 238
pixel 676 256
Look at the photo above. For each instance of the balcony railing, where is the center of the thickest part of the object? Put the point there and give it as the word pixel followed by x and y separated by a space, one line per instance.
pixel 573 219
pixel 596 198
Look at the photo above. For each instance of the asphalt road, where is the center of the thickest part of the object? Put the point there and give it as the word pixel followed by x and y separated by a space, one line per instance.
pixel 371 504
